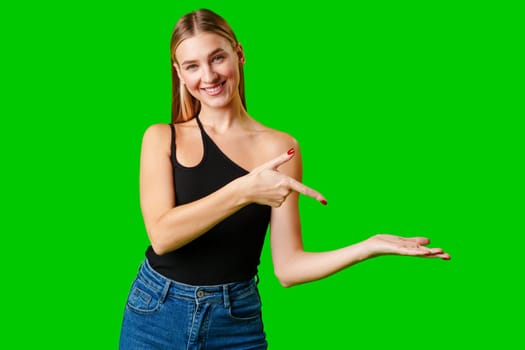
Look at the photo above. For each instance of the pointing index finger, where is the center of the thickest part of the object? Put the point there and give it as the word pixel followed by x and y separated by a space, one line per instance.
pixel 307 191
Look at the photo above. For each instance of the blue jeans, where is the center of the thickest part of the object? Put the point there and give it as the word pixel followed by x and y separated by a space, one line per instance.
pixel 164 314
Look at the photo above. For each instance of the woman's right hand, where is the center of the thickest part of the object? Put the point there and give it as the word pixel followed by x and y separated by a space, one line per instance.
pixel 267 186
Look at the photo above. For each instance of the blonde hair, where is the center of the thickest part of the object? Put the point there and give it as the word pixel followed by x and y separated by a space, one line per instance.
pixel 184 106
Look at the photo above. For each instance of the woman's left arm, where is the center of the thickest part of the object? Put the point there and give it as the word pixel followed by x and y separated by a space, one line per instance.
pixel 293 265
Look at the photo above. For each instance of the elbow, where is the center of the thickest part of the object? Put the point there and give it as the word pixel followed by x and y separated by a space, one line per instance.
pixel 157 244
pixel 284 279
pixel 162 243
pixel 286 284
pixel 159 249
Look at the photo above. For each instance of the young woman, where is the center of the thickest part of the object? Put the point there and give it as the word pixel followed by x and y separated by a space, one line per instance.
pixel 210 183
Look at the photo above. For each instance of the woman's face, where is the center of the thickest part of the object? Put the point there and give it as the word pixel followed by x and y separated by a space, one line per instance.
pixel 209 67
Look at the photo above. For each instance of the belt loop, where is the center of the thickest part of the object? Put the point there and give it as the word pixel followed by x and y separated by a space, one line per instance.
pixel 226 296
pixel 165 291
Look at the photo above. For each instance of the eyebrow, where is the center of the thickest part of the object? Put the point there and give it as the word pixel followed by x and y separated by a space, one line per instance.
pixel 214 52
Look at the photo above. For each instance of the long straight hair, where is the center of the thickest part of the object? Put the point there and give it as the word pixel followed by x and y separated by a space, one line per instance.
pixel 183 105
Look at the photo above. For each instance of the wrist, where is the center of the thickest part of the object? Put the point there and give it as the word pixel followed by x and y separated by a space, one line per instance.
pixel 240 191
pixel 365 250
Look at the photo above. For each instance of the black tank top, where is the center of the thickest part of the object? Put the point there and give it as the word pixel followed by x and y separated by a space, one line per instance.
pixel 231 250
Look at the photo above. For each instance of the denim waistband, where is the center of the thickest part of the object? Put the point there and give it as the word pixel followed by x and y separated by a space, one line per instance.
pixel 218 293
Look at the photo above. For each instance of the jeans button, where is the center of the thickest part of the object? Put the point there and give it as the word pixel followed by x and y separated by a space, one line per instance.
pixel 200 293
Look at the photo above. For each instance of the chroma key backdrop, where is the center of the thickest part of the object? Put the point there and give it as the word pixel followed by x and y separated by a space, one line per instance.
pixel 408 117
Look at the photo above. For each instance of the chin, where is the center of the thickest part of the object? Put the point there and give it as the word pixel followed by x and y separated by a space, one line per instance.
pixel 217 105
pixel 217 102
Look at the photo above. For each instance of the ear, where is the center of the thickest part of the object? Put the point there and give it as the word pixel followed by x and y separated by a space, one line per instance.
pixel 177 68
pixel 240 54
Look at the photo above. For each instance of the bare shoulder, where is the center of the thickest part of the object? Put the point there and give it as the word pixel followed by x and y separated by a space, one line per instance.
pixel 157 136
pixel 157 130
pixel 277 141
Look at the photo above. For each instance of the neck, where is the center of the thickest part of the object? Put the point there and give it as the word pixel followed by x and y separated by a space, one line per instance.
pixel 223 119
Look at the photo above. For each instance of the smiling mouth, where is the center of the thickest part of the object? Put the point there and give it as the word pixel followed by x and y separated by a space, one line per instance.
pixel 214 90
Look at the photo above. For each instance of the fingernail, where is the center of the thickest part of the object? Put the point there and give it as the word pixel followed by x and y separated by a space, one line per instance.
pixel 324 202
pixel 291 151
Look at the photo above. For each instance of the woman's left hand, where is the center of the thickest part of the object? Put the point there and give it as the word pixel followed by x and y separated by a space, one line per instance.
pixel 385 244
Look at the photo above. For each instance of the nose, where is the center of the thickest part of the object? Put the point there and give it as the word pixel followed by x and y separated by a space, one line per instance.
pixel 209 75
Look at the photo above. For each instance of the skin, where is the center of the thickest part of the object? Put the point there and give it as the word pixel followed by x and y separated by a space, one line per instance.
pixel 272 158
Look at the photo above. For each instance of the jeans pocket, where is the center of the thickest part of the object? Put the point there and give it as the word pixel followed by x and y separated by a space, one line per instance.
pixel 246 308
pixel 143 299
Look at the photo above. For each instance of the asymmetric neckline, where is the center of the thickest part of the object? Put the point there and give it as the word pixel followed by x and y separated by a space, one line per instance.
pixel 206 136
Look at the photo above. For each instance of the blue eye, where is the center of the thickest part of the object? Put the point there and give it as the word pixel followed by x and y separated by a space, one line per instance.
pixel 217 58
pixel 191 67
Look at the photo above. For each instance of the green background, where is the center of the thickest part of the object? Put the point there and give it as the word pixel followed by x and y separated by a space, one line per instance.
pixel 409 118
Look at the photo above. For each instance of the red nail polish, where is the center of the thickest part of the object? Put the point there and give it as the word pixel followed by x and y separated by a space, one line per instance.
pixel 324 202
pixel 291 151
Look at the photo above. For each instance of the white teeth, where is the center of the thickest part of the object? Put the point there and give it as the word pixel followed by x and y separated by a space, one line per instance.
pixel 212 90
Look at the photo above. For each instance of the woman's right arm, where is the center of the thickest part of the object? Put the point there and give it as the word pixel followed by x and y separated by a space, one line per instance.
pixel 168 226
